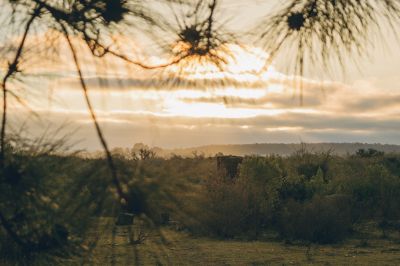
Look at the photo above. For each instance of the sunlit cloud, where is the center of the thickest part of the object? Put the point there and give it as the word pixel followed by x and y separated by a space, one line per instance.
pixel 243 103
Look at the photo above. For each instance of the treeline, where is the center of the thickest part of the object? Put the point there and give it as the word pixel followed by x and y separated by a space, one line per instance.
pixel 282 149
pixel 312 197
pixel 307 196
pixel 50 201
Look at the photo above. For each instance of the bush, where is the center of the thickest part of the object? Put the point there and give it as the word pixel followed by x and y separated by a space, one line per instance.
pixel 322 220
pixel 226 211
pixel 376 193
pixel 295 188
pixel 392 163
pixel 242 206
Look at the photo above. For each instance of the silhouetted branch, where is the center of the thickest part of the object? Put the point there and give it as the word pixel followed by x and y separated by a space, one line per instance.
pixel 199 38
pixel 12 69
pixel 100 135
pixel 209 31
pixel 138 63
pixel 325 33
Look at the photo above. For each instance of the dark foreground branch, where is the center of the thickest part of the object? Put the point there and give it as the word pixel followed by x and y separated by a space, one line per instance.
pixel 100 135
pixel 12 69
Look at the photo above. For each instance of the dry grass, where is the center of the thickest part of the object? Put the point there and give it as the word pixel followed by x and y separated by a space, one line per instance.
pixel 168 247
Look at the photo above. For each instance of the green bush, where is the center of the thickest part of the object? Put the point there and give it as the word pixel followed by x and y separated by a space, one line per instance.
pixel 243 206
pixel 322 220
pixel 376 193
pixel 226 209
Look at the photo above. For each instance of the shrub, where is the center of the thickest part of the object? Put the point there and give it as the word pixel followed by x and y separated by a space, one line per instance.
pixel 307 164
pixel 392 163
pixel 225 209
pixel 322 220
pixel 376 193
pixel 295 188
pixel 242 206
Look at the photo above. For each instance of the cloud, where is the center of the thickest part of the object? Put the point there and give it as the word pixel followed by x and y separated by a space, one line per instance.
pixel 164 83
pixel 202 108
pixel 125 129
pixel 375 102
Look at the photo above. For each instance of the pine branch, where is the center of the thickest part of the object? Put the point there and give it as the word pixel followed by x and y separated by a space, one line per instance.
pixel 100 134
pixel 12 69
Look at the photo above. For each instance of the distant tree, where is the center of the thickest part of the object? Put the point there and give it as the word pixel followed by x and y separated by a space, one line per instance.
pixel 146 154
pixel 369 153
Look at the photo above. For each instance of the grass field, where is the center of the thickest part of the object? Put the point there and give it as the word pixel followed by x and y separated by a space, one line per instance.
pixel 169 247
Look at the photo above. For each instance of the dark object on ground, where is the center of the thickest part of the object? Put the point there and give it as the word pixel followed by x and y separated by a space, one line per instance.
pixel 165 218
pixel 125 218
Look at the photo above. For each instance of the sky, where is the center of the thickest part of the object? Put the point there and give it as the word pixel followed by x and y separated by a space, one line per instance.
pixel 243 103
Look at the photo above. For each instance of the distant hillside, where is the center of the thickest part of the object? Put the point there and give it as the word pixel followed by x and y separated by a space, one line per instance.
pixel 277 148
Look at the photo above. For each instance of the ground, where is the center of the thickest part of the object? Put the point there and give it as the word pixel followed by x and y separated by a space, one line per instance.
pixel 169 247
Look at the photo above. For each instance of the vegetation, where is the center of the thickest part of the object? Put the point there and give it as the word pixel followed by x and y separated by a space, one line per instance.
pixel 55 199
pixel 180 248
pixel 49 199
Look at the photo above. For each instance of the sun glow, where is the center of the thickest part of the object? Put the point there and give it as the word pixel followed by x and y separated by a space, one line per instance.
pixel 215 110
pixel 239 89
pixel 246 64
pixel 244 75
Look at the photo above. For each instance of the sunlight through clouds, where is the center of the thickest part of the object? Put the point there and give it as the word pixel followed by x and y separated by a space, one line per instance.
pixel 245 102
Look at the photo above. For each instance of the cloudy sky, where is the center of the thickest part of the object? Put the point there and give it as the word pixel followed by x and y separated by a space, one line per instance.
pixel 241 104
